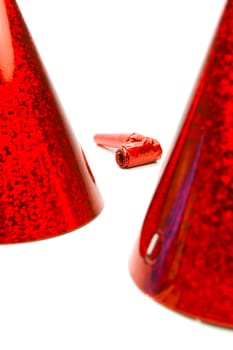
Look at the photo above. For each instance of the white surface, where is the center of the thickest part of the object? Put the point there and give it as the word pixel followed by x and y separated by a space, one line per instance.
pixel 118 66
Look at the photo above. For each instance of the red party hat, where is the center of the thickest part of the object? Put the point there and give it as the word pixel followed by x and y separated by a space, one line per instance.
pixel 184 256
pixel 46 186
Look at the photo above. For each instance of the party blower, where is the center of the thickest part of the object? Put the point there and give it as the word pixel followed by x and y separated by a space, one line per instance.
pixel 184 255
pixel 46 186
pixel 132 149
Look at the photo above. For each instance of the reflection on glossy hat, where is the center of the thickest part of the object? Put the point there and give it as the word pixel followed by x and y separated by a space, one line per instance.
pixel 46 186
pixel 184 255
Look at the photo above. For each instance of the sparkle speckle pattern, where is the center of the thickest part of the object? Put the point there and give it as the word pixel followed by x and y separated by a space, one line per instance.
pixel 133 149
pixel 138 150
pixel 189 266
pixel 46 186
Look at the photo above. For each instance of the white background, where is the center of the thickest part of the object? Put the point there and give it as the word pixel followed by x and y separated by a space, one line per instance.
pixel 117 66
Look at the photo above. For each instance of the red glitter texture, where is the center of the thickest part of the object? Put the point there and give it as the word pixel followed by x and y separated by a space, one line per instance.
pixel 134 149
pixel 184 255
pixel 46 186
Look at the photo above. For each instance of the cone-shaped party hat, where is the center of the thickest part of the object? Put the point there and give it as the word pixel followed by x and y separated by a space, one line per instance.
pixel 46 186
pixel 184 255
